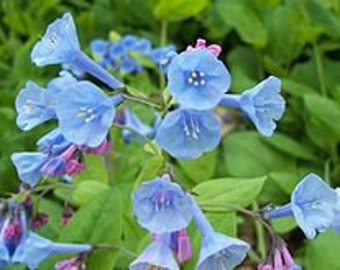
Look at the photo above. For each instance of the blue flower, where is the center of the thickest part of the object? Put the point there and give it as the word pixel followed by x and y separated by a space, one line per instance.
pixel 33 107
pixel 197 79
pixel 159 55
pixel 59 43
pixel 162 206
pixel 157 255
pixel 263 104
pixel 312 205
pixel 142 46
pixel 131 120
pixel 99 48
pixel 336 221
pixel 129 42
pixel 53 143
pixel 36 249
pixel 218 251
pixel 86 114
pixel 28 165
pixel 189 133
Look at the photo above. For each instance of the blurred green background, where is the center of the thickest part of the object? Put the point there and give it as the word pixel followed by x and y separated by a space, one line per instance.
pixel 296 40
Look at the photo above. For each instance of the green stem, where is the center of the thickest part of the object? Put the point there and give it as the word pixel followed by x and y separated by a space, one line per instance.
pixel 141 100
pixel 116 247
pixel 261 241
pixel 163 41
pixel 146 139
pixel 319 68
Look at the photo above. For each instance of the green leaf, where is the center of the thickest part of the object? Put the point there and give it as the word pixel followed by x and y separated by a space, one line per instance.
pixel 86 191
pixel 326 111
pixel 150 170
pixel 241 192
pixel 175 10
pixel 247 155
pixel 296 88
pixel 225 223
pixel 95 170
pixel 290 146
pixel 284 225
pixel 200 169
pixel 98 222
pixel 240 16
pixel 323 252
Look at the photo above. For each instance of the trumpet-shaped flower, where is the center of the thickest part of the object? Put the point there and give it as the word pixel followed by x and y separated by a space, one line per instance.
pixel 60 45
pixel 37 248
pixel 53 143
pixel 263 104
pixel 189 133
pixel 33 106
pixel 28 165
pixel 218 251
pixel 86 114
pixel 197 79
pixel 162 206
pixel 157 255
pixel 312 205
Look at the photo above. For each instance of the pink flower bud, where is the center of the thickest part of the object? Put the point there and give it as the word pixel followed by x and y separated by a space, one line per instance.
pixel 183 246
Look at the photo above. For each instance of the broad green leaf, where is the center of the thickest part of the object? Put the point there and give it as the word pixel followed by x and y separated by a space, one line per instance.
pixel 225 223
pixel 296 88
pixel 95 170
pixel 326 111
pixel 214 193
pixel 291 147
pixel 174 10
pixel 200 169
pixel 98 222
pixel 323 252
pixel 86 191
pixel 246 155
pixel 246 22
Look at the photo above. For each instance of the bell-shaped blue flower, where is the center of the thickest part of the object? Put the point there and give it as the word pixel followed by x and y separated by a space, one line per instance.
pixel 33 106
pixel 86 114
pixel 263 104
pixel 37 248
pixel 28 165
pixel 313 205
pixel 187 133
pixel 158 255
pixel 132 121
pixel 60 45
pixel 53 143
pixel 162 206
pixel 218 251
pixel 197 79
pixel 336 220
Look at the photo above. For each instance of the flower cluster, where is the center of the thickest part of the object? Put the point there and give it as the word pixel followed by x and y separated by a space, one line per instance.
pixel 165 210
pixel 20 244
pixel 122 53
pixel 198 81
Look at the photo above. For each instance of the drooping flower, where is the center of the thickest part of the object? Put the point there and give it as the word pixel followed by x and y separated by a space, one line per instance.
pixel 279 258
pixel 182 246
pixel 263 104
pixel 32 106
pixel 28 165
pixel 162 206
pixel 197 79
pixel 53 143
pixel 85 114
pixel 312 205
pixel 132 121
pixel 157 255
pixel 218 251
pixel 187 133
pixel 37 248
pixel 60 45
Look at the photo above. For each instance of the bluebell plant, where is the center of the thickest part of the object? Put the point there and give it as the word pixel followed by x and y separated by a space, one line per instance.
pixel 186 125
